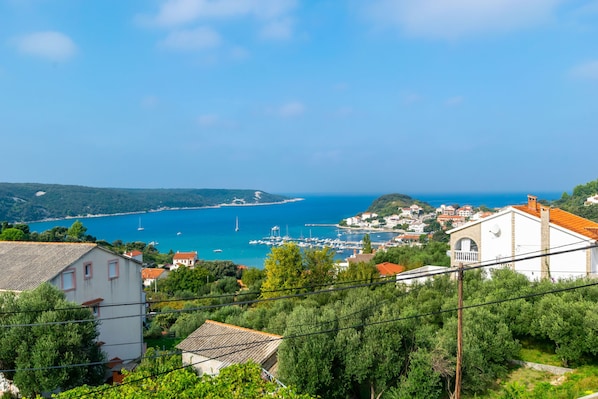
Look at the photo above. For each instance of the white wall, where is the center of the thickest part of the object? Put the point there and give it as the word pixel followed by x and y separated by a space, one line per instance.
pixel 120 326
pixel 528 242
pixel 495 247
pixel 201 363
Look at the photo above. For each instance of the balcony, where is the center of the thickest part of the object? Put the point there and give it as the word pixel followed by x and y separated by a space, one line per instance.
pixel 466 256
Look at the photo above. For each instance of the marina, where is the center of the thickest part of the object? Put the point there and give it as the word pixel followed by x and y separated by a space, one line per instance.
pixel 338 244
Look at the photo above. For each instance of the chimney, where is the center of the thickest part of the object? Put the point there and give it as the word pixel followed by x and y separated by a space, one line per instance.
pixel 532 202
pixel 545 239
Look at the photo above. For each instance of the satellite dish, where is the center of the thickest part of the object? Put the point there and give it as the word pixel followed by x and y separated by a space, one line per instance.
pixel 495 230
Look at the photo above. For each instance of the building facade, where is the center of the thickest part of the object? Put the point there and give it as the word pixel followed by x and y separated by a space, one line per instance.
pixel 533 239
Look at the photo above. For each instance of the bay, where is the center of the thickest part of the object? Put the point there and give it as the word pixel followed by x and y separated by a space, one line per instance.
pixel 212 231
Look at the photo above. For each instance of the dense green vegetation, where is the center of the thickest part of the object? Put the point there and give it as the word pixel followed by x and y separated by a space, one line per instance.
pixel 389 341
pixel 389 204
pixel 32 350
pixel 21 202
pixel 574 203
pixel 161 376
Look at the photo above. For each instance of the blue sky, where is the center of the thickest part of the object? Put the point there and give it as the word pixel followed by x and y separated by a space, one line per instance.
pixel 291 96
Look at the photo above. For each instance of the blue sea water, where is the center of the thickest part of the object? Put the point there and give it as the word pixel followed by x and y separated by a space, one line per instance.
pixel 208 229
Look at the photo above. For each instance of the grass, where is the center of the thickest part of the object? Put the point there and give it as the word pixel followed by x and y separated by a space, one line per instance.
pixel 163 343
pixel 538 352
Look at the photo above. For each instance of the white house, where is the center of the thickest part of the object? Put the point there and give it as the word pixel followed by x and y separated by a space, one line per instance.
pixel 184 259
pixel 592 200
pixel 519 235
pixel 108 283
pixel 422 274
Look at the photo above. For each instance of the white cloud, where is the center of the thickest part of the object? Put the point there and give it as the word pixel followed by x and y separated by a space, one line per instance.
pixel 290 109
pixel 50 45
pixel 452 19
pixel 588 70
pixel 179 12
pixel 454 101
pixel 278 30
pixel 193 39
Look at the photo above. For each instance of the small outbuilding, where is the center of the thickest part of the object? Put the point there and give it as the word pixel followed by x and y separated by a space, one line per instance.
pixel 215 345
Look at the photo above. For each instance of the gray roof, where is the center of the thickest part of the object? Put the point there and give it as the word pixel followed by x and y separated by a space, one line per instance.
pixel 25 265
pixel 230 344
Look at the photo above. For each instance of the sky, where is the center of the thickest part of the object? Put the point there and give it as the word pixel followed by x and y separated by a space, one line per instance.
pixel 298 96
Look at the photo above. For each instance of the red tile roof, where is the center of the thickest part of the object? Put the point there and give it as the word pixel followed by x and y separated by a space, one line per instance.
pixel 389 269
pixel 564 219
pixel 185 255
pixel 151 273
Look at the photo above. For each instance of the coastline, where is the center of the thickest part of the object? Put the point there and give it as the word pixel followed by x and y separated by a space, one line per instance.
pixel 91 216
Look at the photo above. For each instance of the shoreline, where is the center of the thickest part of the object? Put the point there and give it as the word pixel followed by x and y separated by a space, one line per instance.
pixel 163 209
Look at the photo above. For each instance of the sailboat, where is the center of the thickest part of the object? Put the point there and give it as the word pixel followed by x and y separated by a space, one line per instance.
pixel 237 224
pixel 140 227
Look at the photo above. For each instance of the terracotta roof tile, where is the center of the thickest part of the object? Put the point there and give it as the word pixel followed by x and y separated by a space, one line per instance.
pixel 389 269
pixel 566 220
pixel 151 273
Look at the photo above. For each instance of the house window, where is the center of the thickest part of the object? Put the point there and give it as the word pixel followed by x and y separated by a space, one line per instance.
pixel 95 309
pixel 112 269
pixel 94 306
pixel 87 271
pixel 68 280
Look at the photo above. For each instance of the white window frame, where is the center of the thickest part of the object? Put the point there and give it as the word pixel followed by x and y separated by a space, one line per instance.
pixel 113 264
pixel 87 275
pixel 64 279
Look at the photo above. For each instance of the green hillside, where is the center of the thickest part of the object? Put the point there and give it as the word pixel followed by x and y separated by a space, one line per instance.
pixel 575 202
pixel 389 204
pixel 26 202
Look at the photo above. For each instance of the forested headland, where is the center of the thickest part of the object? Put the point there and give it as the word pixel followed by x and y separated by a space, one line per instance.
pixel 28 202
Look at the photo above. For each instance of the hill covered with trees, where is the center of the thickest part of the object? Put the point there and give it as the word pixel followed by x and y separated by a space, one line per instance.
pixel 20 202
pixel 388 204
pixel 576 201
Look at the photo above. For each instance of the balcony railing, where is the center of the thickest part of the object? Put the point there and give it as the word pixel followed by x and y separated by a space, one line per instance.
pixel 466 256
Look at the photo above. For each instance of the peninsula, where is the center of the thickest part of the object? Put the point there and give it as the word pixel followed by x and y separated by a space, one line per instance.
pixel 28 202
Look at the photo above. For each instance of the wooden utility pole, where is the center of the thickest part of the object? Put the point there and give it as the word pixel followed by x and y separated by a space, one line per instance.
pixel 459 331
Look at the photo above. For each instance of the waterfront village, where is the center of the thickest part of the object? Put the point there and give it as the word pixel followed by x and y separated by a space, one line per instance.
pixel 191 306
pixel 409 223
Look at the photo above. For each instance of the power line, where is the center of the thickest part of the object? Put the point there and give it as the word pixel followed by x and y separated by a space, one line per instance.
pixel 239 303
pixel 355 326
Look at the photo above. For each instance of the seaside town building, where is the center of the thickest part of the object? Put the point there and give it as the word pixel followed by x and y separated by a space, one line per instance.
pixel 89 275
pixel 533 239
pixel 187 259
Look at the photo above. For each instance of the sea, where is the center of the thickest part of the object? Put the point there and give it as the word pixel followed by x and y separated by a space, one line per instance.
pixel 230 232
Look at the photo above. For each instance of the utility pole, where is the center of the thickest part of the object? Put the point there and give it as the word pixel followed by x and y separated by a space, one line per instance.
pixel 459 331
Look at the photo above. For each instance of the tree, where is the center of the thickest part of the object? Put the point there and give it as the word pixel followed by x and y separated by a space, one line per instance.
pixel 319 267
pixel 367 244
pixel 12 234
pixel 76 232
pixel 284 269
pixel 184 279
pixel 37 351
pixel 167 379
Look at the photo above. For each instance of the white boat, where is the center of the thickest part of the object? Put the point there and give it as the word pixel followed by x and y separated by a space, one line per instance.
pixel 237 224
pixel 217 250
pixel 140 227
pixel 178 233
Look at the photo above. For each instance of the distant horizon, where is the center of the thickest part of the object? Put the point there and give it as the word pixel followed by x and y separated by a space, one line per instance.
pixel 300 96
pixel 317 193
